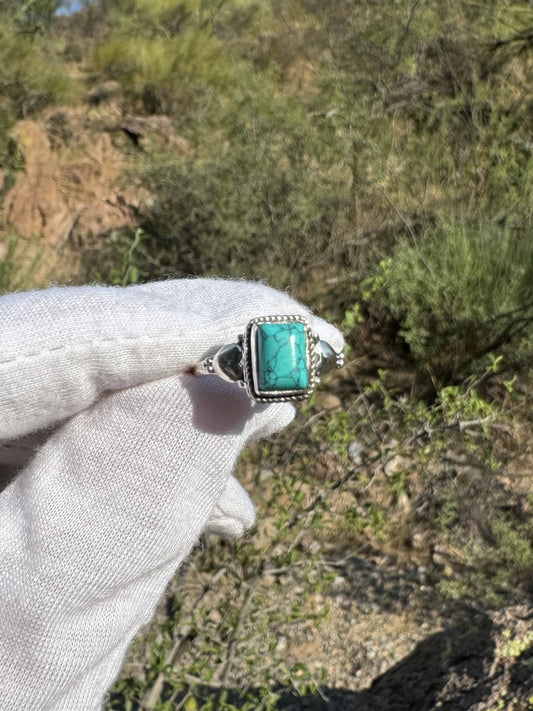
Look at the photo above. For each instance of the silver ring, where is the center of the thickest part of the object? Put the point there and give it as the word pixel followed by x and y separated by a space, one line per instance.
pixel 277 359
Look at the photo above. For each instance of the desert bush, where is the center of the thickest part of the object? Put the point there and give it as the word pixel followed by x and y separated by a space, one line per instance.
pixel 460 293
pixel 164 54
pixel 31 16
pixel 214 219
pixel 434 483
pixel 174 68
pixel 31 75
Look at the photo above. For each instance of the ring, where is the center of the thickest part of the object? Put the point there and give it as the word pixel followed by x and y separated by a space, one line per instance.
pixel 277 359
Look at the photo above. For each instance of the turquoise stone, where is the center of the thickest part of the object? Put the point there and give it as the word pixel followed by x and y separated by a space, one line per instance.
pixel 282 357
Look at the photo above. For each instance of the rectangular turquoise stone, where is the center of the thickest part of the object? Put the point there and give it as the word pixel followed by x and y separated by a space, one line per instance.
pixel 282 357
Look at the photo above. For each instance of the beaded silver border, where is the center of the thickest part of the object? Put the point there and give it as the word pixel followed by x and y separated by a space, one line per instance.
pixel 250 369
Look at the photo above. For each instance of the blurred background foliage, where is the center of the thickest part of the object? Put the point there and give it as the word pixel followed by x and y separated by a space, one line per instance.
pixel 373 158
pixel 327 138
pixel 323 139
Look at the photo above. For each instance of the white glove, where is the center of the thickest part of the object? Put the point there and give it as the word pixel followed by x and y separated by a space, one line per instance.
pixel 128 461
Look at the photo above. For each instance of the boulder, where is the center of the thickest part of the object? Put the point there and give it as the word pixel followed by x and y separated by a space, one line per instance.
pixel 35 205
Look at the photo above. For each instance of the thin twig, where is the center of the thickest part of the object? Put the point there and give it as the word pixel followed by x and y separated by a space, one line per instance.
pixel 235 635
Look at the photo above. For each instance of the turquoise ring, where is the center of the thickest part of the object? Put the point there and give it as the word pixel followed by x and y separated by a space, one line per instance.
pixel 277 359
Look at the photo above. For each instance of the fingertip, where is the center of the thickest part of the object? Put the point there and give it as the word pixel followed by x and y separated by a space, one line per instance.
pixel 329 333
pixel 234 512
pixel 270 419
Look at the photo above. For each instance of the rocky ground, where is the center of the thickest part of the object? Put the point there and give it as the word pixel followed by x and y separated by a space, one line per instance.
pixel 370 623
pixel 379 637
pixel 372 629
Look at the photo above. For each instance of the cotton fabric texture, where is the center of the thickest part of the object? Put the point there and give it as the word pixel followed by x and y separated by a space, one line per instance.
pixel 114 461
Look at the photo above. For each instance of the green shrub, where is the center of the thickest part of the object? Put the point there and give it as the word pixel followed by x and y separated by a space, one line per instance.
pixel 164 72
pixel 461 293
pixel 30 75
pixel 165 54
pixel 31 15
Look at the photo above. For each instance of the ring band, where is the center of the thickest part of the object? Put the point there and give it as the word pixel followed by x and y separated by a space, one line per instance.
pixel 277 359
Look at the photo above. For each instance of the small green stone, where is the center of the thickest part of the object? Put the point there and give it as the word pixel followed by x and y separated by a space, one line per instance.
pixel 282 357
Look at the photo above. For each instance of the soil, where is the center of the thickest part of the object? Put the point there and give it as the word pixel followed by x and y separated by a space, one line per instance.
pixel 381 635
pixel 392 642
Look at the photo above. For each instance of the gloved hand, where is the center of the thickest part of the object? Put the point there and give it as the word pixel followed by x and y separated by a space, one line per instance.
pixel 118 461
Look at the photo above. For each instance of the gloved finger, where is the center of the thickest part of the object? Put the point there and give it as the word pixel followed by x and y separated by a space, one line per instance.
pixel 96 525
pixel 329 333
pixel 61 348
pixel 233 513
pixel 223 408
pixel 242 302
pixel 269 419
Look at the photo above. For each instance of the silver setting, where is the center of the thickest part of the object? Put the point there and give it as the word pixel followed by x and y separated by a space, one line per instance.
pixel 238 362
